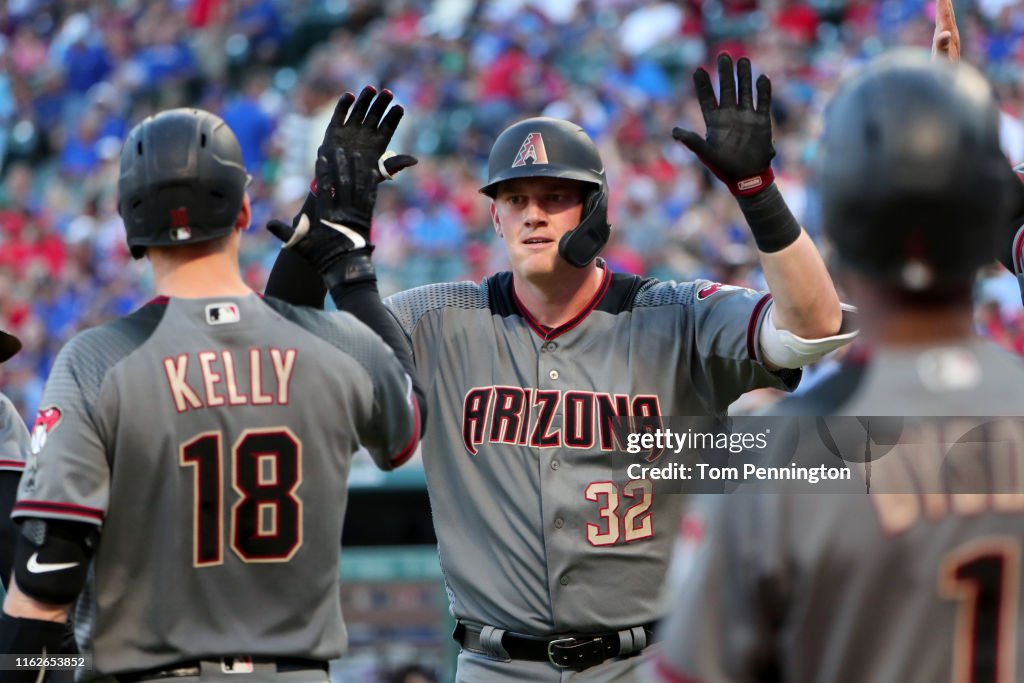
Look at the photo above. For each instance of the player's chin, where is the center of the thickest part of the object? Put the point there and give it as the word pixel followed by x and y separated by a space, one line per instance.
pixel 537 263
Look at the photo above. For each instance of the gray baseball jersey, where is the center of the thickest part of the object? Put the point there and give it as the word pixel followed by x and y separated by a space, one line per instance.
pixel 534 534
pixel 14 446
pixel 211 440
pixel 918 581
pixel 14 438
pixel 1017 257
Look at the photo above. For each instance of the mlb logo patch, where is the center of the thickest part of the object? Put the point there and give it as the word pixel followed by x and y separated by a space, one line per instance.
pixel 222 314
pixel 181 234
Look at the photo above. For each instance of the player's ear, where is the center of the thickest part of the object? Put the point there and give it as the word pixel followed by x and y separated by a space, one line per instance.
pixel 244 214
pixel 495 219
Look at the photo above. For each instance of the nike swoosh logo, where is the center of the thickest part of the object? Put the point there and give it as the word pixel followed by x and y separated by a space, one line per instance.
pixel 301 229
pixel 37 567
pixel 358 242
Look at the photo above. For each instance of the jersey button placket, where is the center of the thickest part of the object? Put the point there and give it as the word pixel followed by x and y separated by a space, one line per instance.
pixel 548 381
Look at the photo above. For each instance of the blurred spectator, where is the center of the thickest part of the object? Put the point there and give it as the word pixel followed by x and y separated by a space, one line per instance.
pixel 647 26
pixel 797 20
pixel 85 60
pixel 251 125
pixel 259 22
pixel 410 673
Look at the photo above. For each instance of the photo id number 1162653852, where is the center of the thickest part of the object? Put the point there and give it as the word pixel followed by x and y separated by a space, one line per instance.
pixel 16 662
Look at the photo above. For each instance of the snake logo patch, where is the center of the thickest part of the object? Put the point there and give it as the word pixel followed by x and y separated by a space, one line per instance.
pixel 46 422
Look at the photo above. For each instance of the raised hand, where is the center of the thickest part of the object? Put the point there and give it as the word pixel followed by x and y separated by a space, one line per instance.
pixel 351 163
pixel 367 131
pixel 738 145
pixel 946 39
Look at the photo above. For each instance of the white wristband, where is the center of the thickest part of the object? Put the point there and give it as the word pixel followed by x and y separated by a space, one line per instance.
pixel 783 349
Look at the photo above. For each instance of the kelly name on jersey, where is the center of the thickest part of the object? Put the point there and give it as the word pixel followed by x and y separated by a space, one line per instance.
pixel 215 378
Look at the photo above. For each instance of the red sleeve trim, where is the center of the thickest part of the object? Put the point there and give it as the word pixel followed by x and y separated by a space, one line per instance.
pixel 12 464
pixel 755 318
pixel 669 675
pixel 37 506
pixel 410 448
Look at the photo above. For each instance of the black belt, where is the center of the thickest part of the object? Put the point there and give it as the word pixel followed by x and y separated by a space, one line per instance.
pixel 576 651
pixel 192 667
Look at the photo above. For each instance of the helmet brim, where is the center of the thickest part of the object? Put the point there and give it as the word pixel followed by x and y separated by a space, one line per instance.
pixel 9 346
pixel 543 171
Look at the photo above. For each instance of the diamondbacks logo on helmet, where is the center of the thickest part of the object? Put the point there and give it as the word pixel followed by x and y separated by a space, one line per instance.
pixel 531 150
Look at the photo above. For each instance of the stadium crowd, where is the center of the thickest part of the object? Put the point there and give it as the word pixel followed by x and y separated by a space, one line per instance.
pixel 75 75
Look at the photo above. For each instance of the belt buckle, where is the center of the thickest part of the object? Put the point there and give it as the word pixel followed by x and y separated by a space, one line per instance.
pixel 574 653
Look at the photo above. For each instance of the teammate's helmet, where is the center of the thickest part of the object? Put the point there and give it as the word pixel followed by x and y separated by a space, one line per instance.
pixel 182 180
pixel 544 147
pixel 914 185
pixel 9 345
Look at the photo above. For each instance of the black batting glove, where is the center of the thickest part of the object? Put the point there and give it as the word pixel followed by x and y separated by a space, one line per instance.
pixel 361 137
pixel 332 231
pixel 738 146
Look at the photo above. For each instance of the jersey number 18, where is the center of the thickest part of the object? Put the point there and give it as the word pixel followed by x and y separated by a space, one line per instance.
pixel 265 521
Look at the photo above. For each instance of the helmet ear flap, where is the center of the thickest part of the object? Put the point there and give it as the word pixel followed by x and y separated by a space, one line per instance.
pixel 582 244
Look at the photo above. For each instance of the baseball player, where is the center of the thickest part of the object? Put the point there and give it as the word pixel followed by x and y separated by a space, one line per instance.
pixel 1014 260
pixel 920 583
pixel 946 46
pixel 189 462
pixel 13 452
pixel 552 568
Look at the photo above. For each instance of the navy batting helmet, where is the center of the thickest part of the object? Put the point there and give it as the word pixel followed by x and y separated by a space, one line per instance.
pixel 9 345
pixel 914 184
pixel 544 147
pixel 182 180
